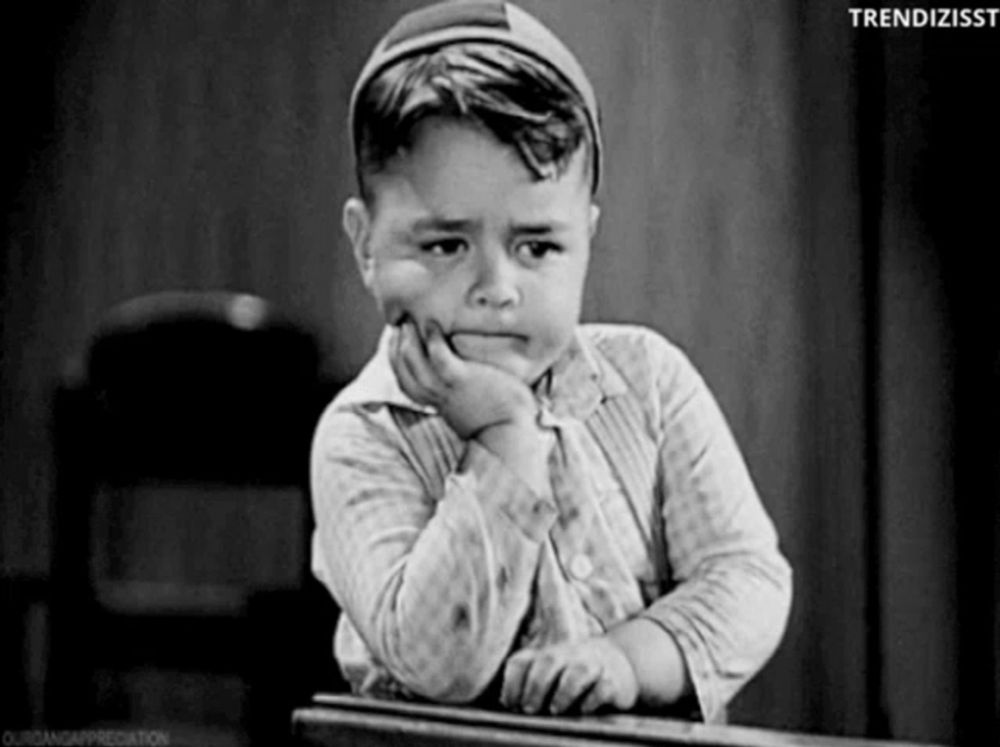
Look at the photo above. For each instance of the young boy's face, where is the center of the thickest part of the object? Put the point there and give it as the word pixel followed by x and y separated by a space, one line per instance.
pixel 461 233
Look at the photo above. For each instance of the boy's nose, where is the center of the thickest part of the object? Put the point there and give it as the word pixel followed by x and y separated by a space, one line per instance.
pixel 495 282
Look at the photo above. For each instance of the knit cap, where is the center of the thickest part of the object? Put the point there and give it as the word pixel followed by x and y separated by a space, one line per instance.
pixel 454 21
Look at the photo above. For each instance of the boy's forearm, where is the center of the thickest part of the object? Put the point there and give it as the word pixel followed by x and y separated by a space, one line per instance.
pixel 656 659
pixel 436 588
pixel 729 617
pixel 466 583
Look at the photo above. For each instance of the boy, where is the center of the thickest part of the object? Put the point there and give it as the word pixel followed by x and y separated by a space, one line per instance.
pixel 512 507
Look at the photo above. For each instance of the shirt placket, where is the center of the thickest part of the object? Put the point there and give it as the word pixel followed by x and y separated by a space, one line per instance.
pixel 592 565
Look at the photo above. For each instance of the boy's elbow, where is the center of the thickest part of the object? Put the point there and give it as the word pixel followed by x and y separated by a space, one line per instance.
pixel 777 609
pixel 460 681
pixel 460 688
pixel 768 572
pixel 782 578
pixel 453 671
pixel 764 588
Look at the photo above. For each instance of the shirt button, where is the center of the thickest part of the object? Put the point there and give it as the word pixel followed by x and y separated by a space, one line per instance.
pixel 581 567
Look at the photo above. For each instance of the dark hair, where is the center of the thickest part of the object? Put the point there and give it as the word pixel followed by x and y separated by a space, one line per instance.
pixel 520 100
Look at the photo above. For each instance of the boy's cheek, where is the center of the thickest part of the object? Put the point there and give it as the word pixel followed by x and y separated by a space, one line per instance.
pixel 397 309
pixel 424 303
pixel 396 295
pixel 393 311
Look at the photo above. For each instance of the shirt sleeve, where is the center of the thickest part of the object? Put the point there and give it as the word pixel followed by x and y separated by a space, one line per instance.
pixel 730 605
pixel 436 585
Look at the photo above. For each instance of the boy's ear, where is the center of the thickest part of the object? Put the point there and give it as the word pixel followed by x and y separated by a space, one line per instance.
pixel 357 225
pixel 595 217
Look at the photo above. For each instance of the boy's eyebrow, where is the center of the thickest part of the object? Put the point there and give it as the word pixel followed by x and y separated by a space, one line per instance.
pixel 534 229
pixel 463 225
pixel 442 224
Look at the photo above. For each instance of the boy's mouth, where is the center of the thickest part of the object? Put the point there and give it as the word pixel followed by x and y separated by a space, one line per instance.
pixel 475 344
pixel 486 332
pixel 484 335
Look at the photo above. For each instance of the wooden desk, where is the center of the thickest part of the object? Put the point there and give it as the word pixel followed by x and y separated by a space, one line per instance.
pixel 343 720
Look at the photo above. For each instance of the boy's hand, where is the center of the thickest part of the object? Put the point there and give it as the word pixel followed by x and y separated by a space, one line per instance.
pixel 583 676
pixel 470 396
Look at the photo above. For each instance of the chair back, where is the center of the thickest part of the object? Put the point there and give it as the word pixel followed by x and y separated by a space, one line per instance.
pixel 203 386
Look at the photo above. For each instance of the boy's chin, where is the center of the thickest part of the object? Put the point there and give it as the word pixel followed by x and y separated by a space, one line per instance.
pixel 518 367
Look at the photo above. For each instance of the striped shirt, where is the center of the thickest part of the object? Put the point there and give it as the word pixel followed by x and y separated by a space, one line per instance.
pixel 444 562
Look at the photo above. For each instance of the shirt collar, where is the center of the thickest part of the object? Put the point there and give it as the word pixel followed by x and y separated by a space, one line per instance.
pixel 576 384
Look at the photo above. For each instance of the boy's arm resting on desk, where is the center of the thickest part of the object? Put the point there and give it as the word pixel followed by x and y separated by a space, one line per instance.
pixel 728 610
pixel 436 585
pixel 730 587
pixel 662 677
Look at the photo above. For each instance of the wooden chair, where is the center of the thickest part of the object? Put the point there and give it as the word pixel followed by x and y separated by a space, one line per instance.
pixel 182 522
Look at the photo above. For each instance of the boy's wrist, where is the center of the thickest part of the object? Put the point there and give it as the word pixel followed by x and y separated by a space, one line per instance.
pixel 523 446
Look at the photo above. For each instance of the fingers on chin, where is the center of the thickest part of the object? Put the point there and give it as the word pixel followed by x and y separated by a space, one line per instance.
pixel 444 359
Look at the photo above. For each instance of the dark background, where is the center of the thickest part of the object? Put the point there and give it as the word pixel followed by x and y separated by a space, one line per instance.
pixel 808 209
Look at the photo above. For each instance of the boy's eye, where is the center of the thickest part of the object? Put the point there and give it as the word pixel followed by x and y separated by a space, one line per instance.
pixel 536 250
pixel 443 247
